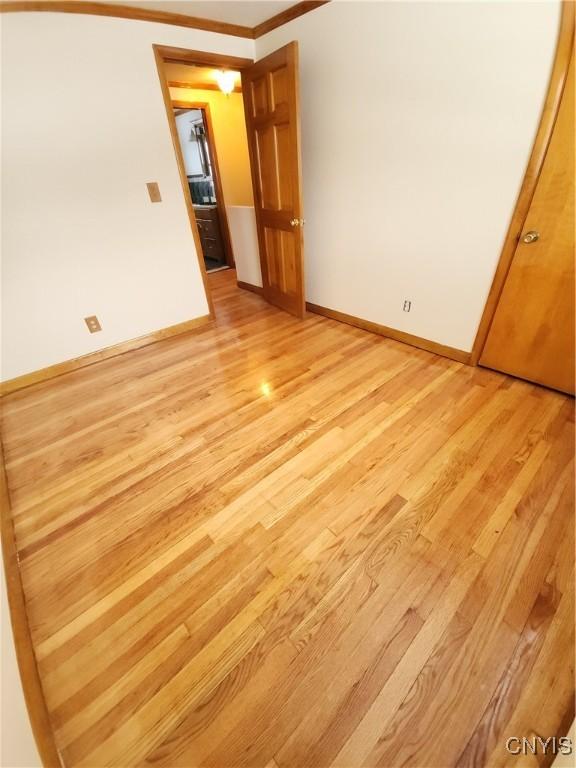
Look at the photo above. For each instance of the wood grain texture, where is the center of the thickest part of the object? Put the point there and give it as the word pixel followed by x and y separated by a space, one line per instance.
pixel 532 331
pixel 392 333
pixel 176 55
pixel 52 371
pixel 160 54
pixel 31 684
pixel 249 287
pixel 550 109
pixel 271 93
pixel 282 542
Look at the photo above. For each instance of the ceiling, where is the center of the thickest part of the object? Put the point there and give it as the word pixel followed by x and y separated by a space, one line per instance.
pixel 248 14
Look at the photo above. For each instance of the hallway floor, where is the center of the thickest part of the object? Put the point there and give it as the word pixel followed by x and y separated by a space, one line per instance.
pixel 284 543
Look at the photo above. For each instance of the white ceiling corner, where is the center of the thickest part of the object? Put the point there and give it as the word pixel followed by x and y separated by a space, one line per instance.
pixel 248 13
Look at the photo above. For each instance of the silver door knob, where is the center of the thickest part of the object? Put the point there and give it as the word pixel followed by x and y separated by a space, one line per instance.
pixel 530 237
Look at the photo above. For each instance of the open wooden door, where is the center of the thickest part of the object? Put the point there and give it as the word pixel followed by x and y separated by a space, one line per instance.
pixel 532 332
pixel 270 89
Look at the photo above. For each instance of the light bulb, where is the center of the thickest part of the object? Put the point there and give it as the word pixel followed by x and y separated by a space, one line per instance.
pixel 226 80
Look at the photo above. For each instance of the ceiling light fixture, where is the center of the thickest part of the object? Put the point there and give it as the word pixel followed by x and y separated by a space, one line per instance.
pixel 226 80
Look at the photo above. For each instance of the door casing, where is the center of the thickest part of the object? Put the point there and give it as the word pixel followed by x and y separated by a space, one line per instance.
pixel 541 143
pixel 168 54
pixel 532 331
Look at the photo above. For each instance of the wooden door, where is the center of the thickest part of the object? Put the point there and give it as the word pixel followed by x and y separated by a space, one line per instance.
pixel 532 332
pixel 270 89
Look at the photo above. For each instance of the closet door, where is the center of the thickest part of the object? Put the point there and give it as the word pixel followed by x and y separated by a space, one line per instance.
pixel 532 332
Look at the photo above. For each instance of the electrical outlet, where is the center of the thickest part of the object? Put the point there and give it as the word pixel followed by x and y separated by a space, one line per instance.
pixel 407 306
pixel 93 323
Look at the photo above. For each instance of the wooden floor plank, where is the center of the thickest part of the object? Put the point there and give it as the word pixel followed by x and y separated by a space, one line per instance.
pixel 288 543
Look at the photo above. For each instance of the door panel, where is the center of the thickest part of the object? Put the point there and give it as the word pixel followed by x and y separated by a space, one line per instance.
pixel 532 332
pixel 279 87
pixel 270 90
pixel 267 167
pixel 285 191
pixel 282 276
pixel 259 97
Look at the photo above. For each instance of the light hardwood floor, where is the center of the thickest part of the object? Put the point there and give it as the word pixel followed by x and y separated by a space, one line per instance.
pixel 290 543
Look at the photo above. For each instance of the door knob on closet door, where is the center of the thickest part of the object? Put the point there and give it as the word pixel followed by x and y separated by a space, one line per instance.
pixel 530 237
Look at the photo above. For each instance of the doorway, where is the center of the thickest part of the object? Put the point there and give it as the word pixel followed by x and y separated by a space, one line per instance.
pixel 268 91
pixel 196 136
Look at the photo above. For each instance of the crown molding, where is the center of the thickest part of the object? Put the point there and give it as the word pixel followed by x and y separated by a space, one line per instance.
pixel 299 9
pixel 125 12
pixel 160 17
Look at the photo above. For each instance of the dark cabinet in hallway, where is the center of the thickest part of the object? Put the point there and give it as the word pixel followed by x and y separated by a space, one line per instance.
pixel 210 236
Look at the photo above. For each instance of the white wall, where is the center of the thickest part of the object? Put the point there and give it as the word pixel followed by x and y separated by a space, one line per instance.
pixel 229 129
pixel 17 746
pixel 84 130
pixel 417 124
pixel 18 749
pixel 190 149
pixel 242 224
pixel 438 102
